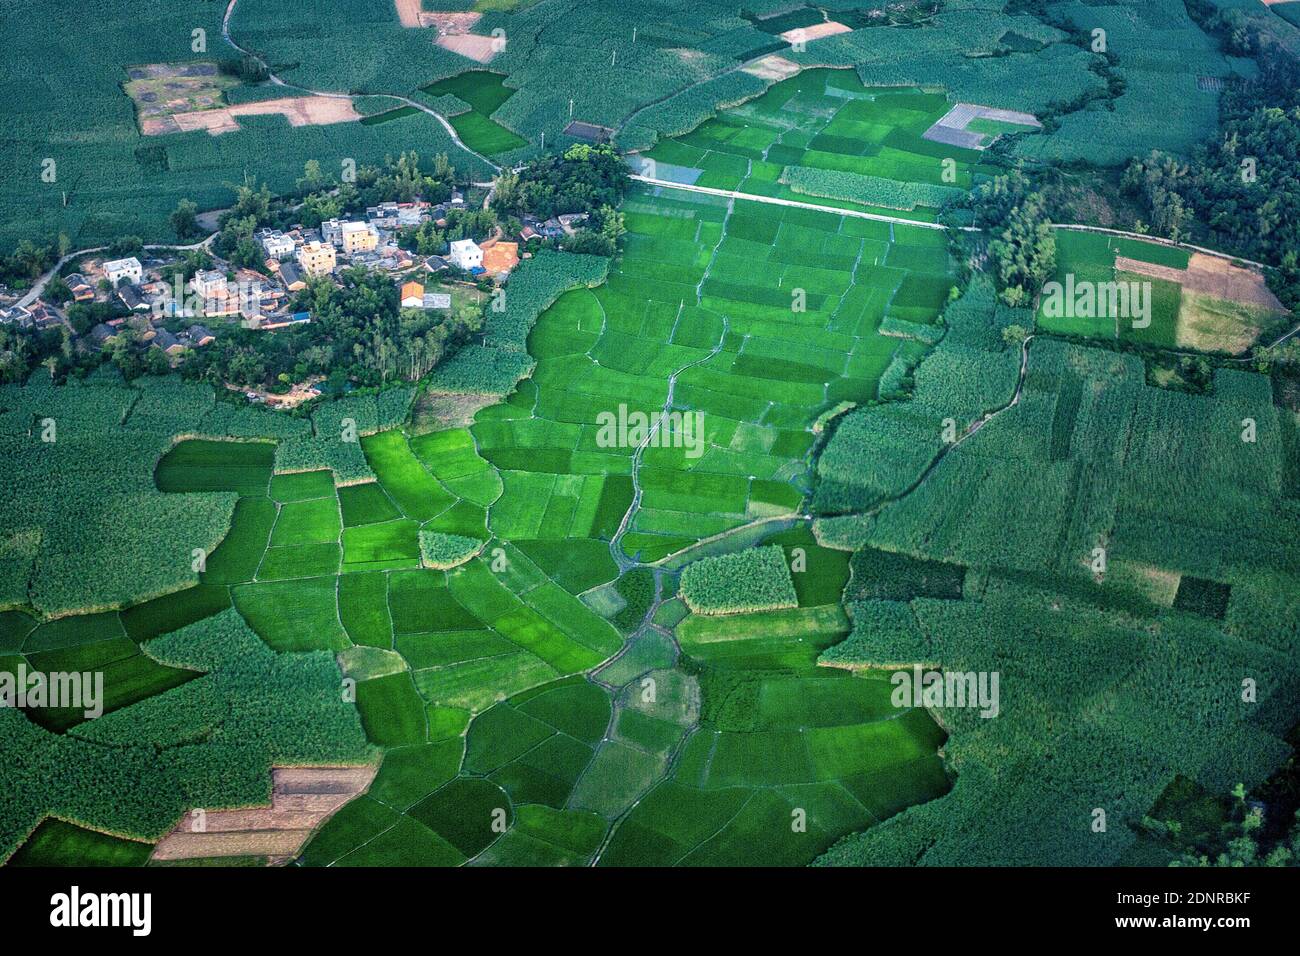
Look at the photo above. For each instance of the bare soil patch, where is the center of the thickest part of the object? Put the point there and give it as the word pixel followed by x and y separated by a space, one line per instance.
pixel 299 110
pixel 1213 276
pixel 410 13
pixel 1222 279
pixel 434 410
pixel 450 24
pixel 302 798
pixel 1224 307
pixel 815 32
pixel 162 90
pixel 480 49
pixel 1217 325
pixel 772 67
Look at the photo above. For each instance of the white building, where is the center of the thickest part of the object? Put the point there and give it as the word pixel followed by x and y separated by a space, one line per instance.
pixel 128 268
pixel 276 244
pixel 465 254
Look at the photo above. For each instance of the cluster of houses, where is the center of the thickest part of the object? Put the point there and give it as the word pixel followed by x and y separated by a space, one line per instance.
pixel 555 228
pixel 168 318
pixel 38 315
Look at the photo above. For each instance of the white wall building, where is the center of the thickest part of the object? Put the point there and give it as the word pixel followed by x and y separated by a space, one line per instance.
pixel 465 254
pixel 277 245
pixel 128 268
pixel 209 283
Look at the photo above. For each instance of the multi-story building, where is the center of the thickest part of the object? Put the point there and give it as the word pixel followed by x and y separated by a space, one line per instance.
pixel 316 258
pixel 357 237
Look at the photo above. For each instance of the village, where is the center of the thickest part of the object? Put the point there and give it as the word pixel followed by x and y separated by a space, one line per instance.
pixel 159 304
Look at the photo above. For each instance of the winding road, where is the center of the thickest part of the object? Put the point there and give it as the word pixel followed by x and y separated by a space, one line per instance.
pixel 38 287
pixel 276 81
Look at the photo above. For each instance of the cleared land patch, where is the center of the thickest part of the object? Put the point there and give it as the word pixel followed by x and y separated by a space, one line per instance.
pixel 302 799
pixel 160 91
pixel 972 126
pixel 1197 301
pixel 298 110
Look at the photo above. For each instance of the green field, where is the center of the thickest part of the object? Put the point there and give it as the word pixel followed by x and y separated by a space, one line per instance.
pixel 497 636
pixel 648 605
pixel 823 132
pixel 484 93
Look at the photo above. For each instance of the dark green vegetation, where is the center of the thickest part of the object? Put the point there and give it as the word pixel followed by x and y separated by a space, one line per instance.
pixel 564 61
pixel 587 181
pixel 753 580
pixel 210 742
pixel 483 93
pixel 1123 543
pixel 1239 191
pixel 1120 554
pixel 89 537
pixel 116 181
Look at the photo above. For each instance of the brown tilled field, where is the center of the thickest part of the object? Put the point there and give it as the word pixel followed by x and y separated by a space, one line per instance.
pixel 480 49
pixel 302 798
pixel 299 110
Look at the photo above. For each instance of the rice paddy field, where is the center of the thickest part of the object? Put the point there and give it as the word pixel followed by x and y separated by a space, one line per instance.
pixel 601 740
pixel 551 700
pixel 748 385
pixel 826 133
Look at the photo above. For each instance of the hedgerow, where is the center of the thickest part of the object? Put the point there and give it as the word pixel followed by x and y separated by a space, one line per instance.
pixel 869 190
pixel 757 579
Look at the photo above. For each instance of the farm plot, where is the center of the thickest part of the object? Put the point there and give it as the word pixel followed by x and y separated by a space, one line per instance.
pixel 822 135
pixel 783 758
pixel 1197 529
pixel 1112 287
pixel 697 375
pixel 484 93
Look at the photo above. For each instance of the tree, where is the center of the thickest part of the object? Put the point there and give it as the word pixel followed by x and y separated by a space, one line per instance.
pixel 33 259
pixel 185 219
pixel 1015 335
pixel 312 178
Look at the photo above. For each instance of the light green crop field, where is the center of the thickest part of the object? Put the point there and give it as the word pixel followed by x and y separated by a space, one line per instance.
pixel 485 93
pixel 499 705
pixel 822 127
pixel 652 604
